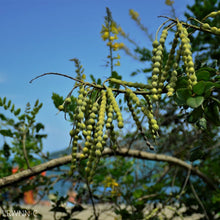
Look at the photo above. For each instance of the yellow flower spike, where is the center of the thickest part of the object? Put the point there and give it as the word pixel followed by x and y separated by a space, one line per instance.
pixel 105 35
pixel 115 46
pixel 134 15
pixel 111 38
pixel 109 44
pixel 118 63
pixel 104 29
pixel 114 30
pixel 116 37
pixel 168 2
pixel 121 45
pixel 118 57
pixel 120 29
pixel 83 76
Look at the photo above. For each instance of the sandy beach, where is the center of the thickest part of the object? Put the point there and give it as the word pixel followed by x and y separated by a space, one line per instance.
pixel 104 211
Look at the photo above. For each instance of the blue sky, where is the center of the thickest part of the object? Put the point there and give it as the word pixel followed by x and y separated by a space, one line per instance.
pixel 39 36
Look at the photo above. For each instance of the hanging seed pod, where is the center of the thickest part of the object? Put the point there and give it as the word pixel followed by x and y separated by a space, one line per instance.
pixel 110 112
pixel 164 72
pixel 137 122
pixel 172 83
pixel 187 55
pixel 157 65
pixel 133 113
pixel 153 126
pixel 89 128
pixel 113 137
pixel 215 30
pixel 115 107
pixel 148 111
pixel 99 127
pixel 79 124
pixel 212 14
pixel 130 94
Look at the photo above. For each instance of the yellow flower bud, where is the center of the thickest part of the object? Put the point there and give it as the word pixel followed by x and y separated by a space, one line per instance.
pixel 121 45
pixel 105 35
pixel 134 14
pixel 114 30
pixel 118 63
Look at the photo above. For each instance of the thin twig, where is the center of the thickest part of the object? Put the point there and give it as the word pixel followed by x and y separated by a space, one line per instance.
pixel 185 183
pixel 190 25
pixel 93 204
pixel 140 92
pixel 24 148
pixel 199 200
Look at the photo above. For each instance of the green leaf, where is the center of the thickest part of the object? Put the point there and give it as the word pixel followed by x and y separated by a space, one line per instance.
pixel 57 99
pixel 195 115
pixel 138 193
pixel 212 71
pixel 39 126
pixel 195 102
pixel 199 88
pixel 115 75
pixel 182 82
pixel 203 75
pixel 92 78
pixel 133 73
pixel 204 87
pixel 17 112
pixel 182 95
pixel 6 132
pixel 212 113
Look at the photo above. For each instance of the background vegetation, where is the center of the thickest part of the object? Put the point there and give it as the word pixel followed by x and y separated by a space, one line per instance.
pixel 181 171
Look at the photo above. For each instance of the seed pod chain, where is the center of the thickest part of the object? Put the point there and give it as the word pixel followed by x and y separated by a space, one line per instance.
pixel 187 55
pixel 115 107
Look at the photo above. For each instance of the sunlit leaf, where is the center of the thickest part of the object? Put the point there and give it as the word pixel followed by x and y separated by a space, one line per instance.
pixel 195 102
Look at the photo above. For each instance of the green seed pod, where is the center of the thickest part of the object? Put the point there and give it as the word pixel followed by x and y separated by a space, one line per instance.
pixel 115 107
pixel 72 133
pixel 120 124
pixel 164 72
pixel 215 30
pixel 187 55
pixel 82 156
pixel 153 126
pixel 172 83
pixel 61 107
pixel 68 100
pixel 80 115
pixel 158 58
pixel 130 84
pixel 213 14
pixel 133 113
pixel 85 150
pixel 93 115
pixel 84 132
pixel 87 144
pixel 99 145
pixel 155 44
pixel 98 153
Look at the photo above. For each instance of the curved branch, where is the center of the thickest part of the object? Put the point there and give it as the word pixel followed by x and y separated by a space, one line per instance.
pixel 17 177
pixel 94 85
pixel 190 25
